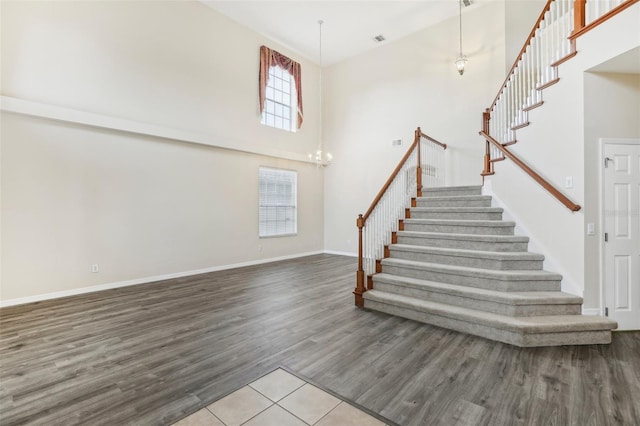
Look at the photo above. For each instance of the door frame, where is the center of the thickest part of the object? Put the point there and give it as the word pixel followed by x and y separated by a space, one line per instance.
pixel 601 208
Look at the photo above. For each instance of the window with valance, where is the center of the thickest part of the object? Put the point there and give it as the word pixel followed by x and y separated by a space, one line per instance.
pixel 280 90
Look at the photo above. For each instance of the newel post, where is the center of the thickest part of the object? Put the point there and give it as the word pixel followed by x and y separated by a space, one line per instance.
pixel 416 139
pixel 360 289
pixel 579 15
pixel 486 117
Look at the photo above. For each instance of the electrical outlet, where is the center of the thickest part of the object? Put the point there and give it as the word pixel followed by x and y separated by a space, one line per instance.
pixel 94 268
pixel 568 182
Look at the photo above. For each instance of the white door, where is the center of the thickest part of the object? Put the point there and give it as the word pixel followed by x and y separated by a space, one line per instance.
pixel 622 232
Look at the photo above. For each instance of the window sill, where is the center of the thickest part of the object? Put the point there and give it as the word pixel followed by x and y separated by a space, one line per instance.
pixel 278 236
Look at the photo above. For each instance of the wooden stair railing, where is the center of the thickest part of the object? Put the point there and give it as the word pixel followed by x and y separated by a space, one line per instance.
pixel 377 227
pixel 551 42
pixel 528 170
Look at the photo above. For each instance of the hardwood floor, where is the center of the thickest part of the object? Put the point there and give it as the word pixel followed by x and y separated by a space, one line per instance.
pixel 150 354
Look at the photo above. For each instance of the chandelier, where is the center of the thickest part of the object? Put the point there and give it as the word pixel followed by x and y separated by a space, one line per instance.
pixel 320 158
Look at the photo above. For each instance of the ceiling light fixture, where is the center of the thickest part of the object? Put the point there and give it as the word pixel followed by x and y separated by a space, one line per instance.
pixel 462 60
pixel 320 159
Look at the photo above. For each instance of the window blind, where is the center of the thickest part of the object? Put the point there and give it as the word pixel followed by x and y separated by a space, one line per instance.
pixel 278 202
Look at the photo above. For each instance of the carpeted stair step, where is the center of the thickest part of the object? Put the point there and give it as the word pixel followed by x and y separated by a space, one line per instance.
pixel 496 243
pixel 551 330
pixel 451 191
pixel 473 277
pixel 472 258
pixel 459 213
pixel 477 227
pixel 525 303
pixel 455 201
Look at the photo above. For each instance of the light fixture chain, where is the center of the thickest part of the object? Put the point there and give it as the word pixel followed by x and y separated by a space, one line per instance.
pixel 460 4
pixel 320 22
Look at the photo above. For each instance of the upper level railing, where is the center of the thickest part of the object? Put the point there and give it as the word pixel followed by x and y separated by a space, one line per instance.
pixel 423 164
pixel 550 43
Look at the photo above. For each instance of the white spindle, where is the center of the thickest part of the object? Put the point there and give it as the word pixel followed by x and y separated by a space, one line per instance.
pixel 549 45
pixel 597 8
pixel 536 42
pixel 566 28
pixel 433 164
pixel 530 73
pixel 384 219
pixel 525 79
pixel 517 80
pixel 521 90
pixel 532 81
pixel 509 102
pixel 555 35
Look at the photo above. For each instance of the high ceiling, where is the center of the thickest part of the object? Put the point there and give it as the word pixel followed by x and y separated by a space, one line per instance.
pixel 349 26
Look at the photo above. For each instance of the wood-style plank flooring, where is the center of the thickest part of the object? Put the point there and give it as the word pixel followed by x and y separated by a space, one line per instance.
pixel 153 353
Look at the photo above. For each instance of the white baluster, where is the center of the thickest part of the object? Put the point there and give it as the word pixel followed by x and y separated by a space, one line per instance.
pixel 517 81
pixel 503 116
pixel 547 47
pixel 532 84
pixel 544 47
pixel 537 77
pixel 509 102
pixel 563 29
pixel 528 67
pixel 555 55
pixel 570 22
pixel 522 75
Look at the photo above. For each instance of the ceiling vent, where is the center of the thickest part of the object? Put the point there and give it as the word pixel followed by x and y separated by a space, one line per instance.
pixel 380 38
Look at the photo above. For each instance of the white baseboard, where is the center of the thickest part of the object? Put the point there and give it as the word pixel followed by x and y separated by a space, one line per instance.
pixel 341 253
pixel 591 311
pixel 109 286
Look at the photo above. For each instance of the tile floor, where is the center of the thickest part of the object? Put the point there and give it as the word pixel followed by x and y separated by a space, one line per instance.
pixel 280 399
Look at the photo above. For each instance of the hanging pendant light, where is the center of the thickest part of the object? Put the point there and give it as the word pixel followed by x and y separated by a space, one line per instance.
pixel 462 60
pixel 320 158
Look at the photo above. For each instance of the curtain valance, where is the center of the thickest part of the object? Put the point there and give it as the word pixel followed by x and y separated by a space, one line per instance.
pixel 269 58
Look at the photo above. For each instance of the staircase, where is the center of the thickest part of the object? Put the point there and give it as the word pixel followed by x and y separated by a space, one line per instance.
pixel 458 265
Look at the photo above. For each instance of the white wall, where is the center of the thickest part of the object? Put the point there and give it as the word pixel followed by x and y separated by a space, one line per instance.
pixel 611 110
pixel 520 17
pixel 179 64
pixel 139 206
pixel 386 93
pixel 554 145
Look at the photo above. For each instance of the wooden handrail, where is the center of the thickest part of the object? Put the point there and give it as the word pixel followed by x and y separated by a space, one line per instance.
pixel 580 17
pixel 429 138
pixel 362 219
pixel 579 28
pixel 546 185
pixel 547 6
pixel 390 180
